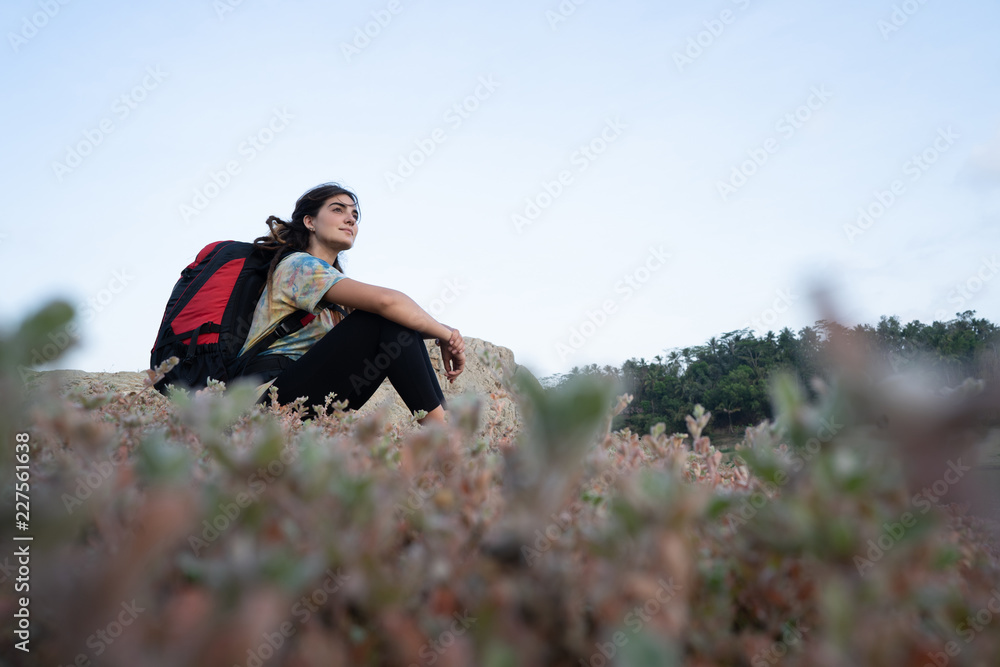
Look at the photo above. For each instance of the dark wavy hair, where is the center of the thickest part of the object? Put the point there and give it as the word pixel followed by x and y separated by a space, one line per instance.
pixel 292 236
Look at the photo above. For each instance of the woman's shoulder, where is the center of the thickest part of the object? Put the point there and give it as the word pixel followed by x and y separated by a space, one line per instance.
pixel 294 256
pixel 298 262
pixel 297 259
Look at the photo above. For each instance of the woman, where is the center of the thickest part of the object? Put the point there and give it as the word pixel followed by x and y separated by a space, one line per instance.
pixel 348 350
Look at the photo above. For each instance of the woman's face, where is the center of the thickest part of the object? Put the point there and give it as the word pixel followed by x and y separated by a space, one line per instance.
pixel 336 223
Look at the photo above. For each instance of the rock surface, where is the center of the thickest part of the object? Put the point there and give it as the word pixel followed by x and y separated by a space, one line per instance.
pixel 487 365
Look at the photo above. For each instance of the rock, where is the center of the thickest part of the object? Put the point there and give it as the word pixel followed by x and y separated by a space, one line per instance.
pixel 65 381
pixel 487 366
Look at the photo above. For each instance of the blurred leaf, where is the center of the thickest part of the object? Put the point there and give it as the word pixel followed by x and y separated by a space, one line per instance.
pixel 788 399
pixel 45 326
pixel 563 421
pixel 500 655
pixel 158 460
pixel 646 650
pixel 717 506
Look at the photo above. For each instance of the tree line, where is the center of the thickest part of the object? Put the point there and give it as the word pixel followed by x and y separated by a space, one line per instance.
pixel 729 374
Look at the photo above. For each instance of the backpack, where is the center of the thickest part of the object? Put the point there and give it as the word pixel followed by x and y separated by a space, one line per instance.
pixel 209 313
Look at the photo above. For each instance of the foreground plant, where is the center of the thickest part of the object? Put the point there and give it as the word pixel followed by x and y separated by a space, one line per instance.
pixel 207 530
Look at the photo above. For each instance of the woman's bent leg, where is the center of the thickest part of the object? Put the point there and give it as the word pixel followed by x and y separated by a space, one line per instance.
pixel 353 359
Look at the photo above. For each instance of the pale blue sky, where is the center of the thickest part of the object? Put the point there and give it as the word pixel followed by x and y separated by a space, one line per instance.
pixel 198 82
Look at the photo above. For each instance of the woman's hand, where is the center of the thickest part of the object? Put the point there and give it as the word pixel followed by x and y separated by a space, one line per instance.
pixel 453 355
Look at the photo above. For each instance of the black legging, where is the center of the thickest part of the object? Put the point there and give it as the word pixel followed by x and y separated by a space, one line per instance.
pixel 353 359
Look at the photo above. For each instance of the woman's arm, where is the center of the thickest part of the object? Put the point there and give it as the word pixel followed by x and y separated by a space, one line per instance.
pixel 389 303
pixel 397 307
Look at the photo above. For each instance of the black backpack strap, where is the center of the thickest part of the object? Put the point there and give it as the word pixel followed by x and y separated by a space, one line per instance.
pixel 205 328
pixel 288 325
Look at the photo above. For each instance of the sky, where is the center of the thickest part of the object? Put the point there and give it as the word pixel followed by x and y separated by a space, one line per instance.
pixel 579 181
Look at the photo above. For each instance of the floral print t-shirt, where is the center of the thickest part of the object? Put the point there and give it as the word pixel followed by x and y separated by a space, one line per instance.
pixel 300 280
